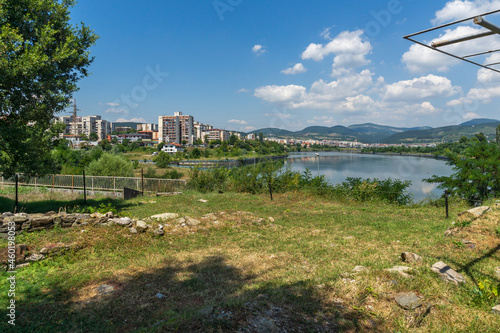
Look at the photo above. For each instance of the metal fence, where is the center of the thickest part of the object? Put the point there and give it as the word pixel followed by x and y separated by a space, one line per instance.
pixel 100 183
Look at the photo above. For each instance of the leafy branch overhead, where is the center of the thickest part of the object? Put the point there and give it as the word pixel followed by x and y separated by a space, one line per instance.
pixel 42 57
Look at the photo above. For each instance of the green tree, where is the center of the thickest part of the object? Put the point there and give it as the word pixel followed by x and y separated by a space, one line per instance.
pixel 233 139
pixel 261 136
pixel 162 160
pixel 476 174
pixel 42 57
pixel 105 145
pixel 111 165
pixel 93 136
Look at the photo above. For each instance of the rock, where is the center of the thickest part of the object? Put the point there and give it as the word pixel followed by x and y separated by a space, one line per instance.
pixel 160 295
pixel 133 230
pixel 271 219
pixel 263 325
pixel 165 216
pixel 206 311
pixel 44 250
pixel 159 232
pixel 497 271
pixel 496 310
pixel 22 266
pixel 141 226
pixel 35 257
pixel 409 257
pixel 20 253
pixel 122 221
pixel 110 215
pixel 7 214
pixel 180 220
pixel 192 222
pixel 105 289
pixel 97 215
pixel 210 216
pixel 472 214
pixel 402 270
pixel 44 221
pixel 408 301
pixel 447 274
pixel 359 269
pixel 203 200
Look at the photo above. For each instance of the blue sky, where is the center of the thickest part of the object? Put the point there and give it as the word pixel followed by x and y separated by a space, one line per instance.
pixel 244 65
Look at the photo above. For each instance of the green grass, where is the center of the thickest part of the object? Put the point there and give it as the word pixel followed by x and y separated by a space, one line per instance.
pixel 292 270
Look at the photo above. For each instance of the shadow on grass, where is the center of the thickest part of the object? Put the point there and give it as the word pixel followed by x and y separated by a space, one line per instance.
pixel 468 268
pixel 43 206
pixel 206 296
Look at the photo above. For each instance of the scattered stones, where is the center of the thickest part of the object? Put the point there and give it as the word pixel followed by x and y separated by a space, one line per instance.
pixel 180 220
pixel 447 273
pixel 210 216
pixel 408 301
pixel 165 216
pixel 105 289
pixel 496 310
pixel 133 230
pixel 35 257
pixel 22 266
pixel 359 269
pixel 110 215
pixel 203 200
pixel 123 221
pixel 271 219
pixel 97 215
pixel 263 325
pixel 472 214
pixel 141 226
pixel 159 231
pixel 192 222
pixel 409 257
pixel 402 270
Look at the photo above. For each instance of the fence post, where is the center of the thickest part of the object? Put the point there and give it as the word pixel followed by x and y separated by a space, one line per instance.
pixel 16 207
pixel 53 180
pixel 84 190
pixel 446 194
pixel 92 183
pixel 72 182
pixel 114 184
pixel 142 181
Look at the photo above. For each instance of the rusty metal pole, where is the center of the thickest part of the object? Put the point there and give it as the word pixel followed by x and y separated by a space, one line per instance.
pixel 446 194
pixel 84 190
pixel 142 181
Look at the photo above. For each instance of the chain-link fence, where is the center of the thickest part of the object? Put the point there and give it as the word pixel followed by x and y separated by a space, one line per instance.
pixel 99 183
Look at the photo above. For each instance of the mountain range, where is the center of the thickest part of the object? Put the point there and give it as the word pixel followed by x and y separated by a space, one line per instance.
pixel 373 133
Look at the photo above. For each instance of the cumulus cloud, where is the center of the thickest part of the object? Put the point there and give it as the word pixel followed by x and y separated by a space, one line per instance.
pixel 430 86
pixel 238 122
pixel 297 69
pixel 113 104
pixel 348 48
pixel 460 9
pixel 243 90
pixel 281 94
pixel 470 116
pixel 323 120
pixel 259 50
pixel 279 115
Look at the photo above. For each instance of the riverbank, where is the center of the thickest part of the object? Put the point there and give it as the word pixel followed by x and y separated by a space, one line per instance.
pixel 437 157
pixel 301 263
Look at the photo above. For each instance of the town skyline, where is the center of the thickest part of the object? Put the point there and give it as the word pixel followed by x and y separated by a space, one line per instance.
pixel 244 66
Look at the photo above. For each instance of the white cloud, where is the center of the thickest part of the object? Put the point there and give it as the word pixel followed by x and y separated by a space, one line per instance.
pixel 470 116
pixel 326 33
pixel 349 49
pixel 297 69
pixel 238 122
pixel 280 94
pixel 113 104
pixel 323 120
pixel 460 9
pixel 430 86
pixel 132 120
pixel 243 90
pixel 259 50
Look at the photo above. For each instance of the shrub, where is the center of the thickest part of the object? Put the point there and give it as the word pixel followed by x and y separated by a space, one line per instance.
pixel 162 160
pixel 111 165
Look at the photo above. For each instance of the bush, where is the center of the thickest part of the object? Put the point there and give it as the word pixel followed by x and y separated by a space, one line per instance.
pixel 111 165
pixel 208 180
pixel 390 190
pixel 162 160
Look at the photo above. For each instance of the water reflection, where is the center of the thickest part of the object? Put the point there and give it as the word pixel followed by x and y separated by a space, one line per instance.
pixel 336 167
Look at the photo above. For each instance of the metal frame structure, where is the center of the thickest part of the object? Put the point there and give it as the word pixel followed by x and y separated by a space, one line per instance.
pixel 479 20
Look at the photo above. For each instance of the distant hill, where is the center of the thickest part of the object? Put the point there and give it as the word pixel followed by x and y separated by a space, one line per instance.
pixel 445 134
pixel 479 121
pixel 373 133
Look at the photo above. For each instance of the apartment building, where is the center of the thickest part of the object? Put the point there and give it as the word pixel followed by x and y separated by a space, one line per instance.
pixel 200 129
pixel 176 128
pixel 216 134
pixel 86 125
pixel 147 128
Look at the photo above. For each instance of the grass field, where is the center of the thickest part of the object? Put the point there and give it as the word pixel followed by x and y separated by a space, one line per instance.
pixel 258 266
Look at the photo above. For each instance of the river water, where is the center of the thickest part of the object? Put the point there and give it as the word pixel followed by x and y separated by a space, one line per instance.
pixel 337 166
